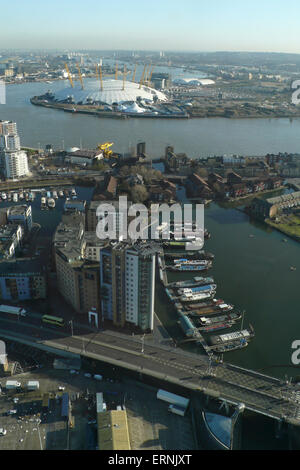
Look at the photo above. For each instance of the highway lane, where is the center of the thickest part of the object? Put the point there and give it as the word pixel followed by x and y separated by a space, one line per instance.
pixel 257 392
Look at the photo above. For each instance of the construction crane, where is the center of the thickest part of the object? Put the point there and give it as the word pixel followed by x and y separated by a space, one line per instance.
pixel 80 76
pixel 116 76
pixel 133 76
pixel 124 76
pixel 142 79
pixel 105 148
pixel 69 75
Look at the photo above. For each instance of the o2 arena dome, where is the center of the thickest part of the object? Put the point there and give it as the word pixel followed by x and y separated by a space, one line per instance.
pixel 113 92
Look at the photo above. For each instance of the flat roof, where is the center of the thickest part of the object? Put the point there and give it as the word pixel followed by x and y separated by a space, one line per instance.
pixel 113 430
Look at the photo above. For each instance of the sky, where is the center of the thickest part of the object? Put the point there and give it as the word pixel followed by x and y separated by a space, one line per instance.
pixel 168 25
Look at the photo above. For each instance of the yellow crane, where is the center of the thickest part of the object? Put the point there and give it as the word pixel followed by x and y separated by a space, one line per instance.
pixel 124 76
pixel 142 79
pixel 105 148
pixel 69 75
pixel 133 76
pixel 80 76
pixel 116 76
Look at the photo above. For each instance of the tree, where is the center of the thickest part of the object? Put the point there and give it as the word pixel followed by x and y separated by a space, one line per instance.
pixel 139 193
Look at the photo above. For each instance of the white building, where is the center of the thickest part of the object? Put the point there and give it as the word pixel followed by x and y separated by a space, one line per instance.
pixel 15 164
pixel 14 161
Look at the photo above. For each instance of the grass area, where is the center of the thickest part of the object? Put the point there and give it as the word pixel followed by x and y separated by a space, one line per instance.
pixel 288 224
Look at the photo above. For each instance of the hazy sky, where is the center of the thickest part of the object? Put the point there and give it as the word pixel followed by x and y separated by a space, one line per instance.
pixel 194 25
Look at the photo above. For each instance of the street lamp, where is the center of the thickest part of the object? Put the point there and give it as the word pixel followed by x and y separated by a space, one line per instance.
pixel 143 342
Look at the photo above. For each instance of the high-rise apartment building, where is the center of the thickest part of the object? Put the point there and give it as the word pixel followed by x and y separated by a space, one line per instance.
pixel 14 162
pixel 127 277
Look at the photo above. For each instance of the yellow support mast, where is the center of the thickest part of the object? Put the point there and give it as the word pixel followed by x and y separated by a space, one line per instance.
pixel 149 81
pixel 142 79
pixel 69 75
pixel 116 75
pixel 80 76
pixel 124 76
pixel 147 73
pixel 133 76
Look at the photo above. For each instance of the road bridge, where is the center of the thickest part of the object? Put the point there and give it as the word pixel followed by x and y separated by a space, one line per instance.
pixel 260 393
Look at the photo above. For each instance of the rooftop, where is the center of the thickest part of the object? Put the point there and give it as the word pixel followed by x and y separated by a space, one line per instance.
pixel 113 430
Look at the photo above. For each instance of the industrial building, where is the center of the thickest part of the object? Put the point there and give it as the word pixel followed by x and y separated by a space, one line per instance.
pixel 113 431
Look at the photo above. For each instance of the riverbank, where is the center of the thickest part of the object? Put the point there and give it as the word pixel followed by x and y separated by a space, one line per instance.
pixel 290 226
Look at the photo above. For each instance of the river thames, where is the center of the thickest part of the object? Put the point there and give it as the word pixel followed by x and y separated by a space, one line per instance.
pixel 253 272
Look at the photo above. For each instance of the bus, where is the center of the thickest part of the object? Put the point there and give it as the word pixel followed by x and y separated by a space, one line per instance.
pixel 56 321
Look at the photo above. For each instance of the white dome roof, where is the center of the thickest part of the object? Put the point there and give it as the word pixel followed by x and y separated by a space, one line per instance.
pixel 112 92
pixel 72 149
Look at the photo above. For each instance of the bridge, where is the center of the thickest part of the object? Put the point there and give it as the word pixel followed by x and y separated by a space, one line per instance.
pixel 260 393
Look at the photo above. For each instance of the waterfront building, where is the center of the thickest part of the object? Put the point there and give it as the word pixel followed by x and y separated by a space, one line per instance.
pixel 21 215
pixel 77 266
pixel 92 219
pixel 22 279
pixel 10 240
pixel 74 205
pixel 127 277
pixel 83 157
pixel 14 162
pixel 269 208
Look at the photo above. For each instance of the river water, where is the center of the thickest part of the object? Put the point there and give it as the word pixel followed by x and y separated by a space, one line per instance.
pixel 197 137
pixel 251 272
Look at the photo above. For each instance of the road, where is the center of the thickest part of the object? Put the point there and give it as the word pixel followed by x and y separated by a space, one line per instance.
pixel 259 393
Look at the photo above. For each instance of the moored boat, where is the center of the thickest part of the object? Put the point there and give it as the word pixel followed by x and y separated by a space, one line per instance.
pixel 51 202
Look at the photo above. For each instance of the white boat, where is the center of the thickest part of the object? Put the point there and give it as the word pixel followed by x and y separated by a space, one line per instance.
pixel 55 195
pixel 61 194
pixel 189 297
pixel 21 196
pixel 51 202
pixel 15 197
pixel 43 201
pixel 73 192
pixel 4 197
